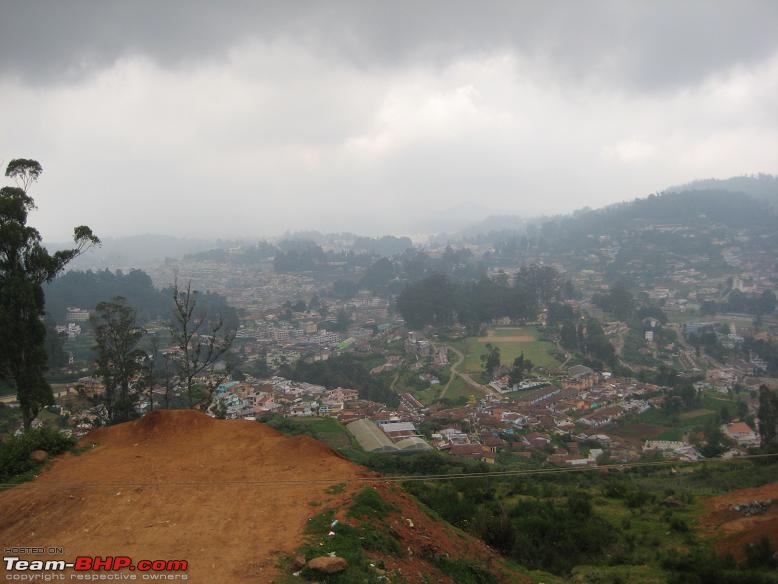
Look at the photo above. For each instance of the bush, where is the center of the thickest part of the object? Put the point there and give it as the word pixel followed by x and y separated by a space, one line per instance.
pixel 760 554
pixel 465 572
pixel 702 567
pixel 557 537
pixel 678 524
pixel 15 462
pixel 369 504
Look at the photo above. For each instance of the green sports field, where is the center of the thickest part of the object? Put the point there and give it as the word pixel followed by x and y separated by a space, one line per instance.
pixel 512 341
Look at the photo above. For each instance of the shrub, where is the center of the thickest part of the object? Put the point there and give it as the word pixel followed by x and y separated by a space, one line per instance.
pixel 465 572
pixel 15 462
pixel 369 504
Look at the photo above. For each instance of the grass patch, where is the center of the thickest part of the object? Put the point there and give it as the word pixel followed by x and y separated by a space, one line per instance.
pixel 460 389
pixel 675 425
pixel 368 504
pixel 637 431
pixel 350 541
pixel 335 489
pixel 327 430
pixel 537 351
pixel 672 434
pixel 465 572
pixel 696 414
pixel 618 574
pixel 409 381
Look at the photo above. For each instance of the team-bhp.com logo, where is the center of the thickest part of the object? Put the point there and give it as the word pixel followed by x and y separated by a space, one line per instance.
pixel 19 569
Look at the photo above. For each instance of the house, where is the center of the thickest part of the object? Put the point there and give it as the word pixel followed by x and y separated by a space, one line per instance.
pixel 474 451
pixel 672 449
pixel 410 403
pixel 398 430
pixel 662 445
pixel 536 396
pixel 601 417
pixel 493 443
pixel 581 377
pixel 537 440
pixel 330 407
pixel 741 433
pixel 342 394
pixel 74 314
pixel 441 357
pixel 453 436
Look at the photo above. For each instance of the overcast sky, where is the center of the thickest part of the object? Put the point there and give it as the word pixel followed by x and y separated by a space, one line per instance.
pixel 247 118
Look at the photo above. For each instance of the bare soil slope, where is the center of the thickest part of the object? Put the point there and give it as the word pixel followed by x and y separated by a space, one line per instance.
pixel 231 497
pixel 426 539
pixel 227 532
pixel 733 530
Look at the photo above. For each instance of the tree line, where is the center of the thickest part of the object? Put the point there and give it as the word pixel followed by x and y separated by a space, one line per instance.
pixel 438 300
pixel 342 371
pixel 132 365
pixel 739 302
pixel 199 337
pixel 85 289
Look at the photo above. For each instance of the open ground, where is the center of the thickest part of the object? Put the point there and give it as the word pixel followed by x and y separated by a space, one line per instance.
pixel 512 342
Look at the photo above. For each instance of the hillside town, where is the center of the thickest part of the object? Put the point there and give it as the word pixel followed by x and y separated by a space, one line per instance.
pixel 664 360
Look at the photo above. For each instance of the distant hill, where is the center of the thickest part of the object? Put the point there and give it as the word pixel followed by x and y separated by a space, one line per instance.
pixel 760 186
pixel 493 224
pixel 738 202
pixel 699 210
pixel 697 207
pixel 137 250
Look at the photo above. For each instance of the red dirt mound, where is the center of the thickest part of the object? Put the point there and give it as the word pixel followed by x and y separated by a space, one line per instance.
pixel 732 530
pixel 227 496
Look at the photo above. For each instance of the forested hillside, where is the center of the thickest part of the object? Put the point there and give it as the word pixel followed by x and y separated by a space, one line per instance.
pixel 86 289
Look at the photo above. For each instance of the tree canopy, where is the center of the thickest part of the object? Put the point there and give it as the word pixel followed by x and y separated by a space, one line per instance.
pixel 25 265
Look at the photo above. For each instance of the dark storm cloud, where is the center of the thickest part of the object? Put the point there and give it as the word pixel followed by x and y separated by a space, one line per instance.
pixel 636 45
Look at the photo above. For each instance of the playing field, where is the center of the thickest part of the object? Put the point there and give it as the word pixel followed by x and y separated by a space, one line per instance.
pixel 460 388
pixel 512 341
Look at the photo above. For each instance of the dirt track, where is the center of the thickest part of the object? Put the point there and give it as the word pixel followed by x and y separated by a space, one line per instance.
pixel 227 533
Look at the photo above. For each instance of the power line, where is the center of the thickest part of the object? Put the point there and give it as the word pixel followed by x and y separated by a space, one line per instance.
pixel 388 478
